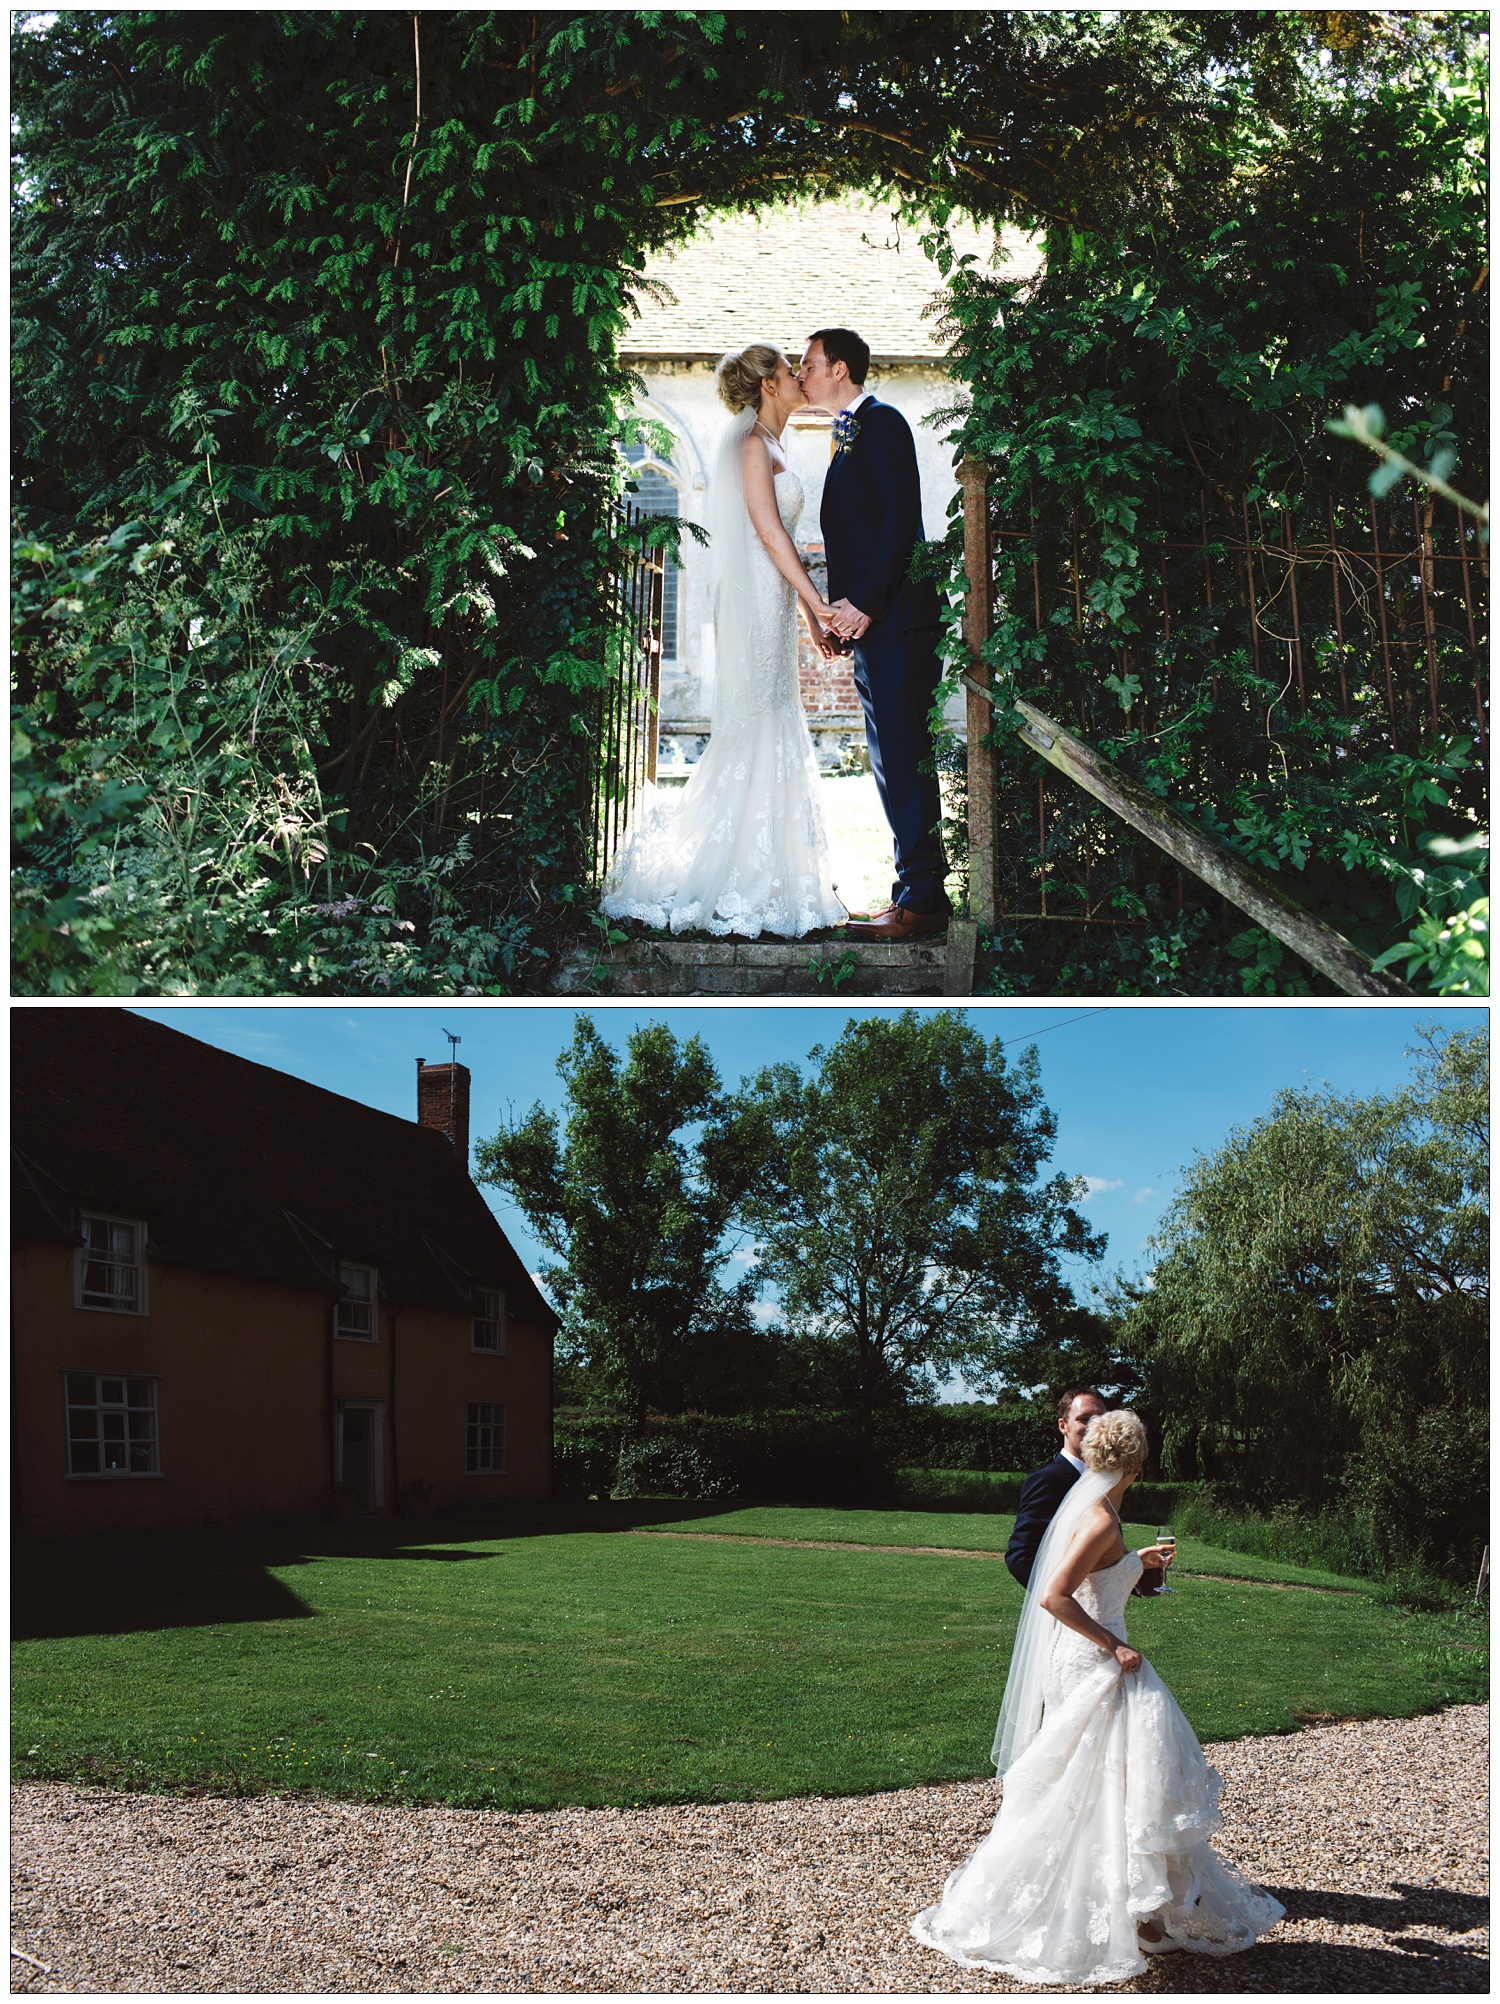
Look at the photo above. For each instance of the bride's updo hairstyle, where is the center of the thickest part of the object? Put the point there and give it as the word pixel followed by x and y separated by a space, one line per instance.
pixel 741 373
pixel 1115 1442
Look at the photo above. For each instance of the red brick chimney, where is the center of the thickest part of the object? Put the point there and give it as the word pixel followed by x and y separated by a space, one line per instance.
pixel 443 1103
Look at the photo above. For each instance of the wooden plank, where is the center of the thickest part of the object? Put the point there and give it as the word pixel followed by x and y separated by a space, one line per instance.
pixel 1320 945
pixel 983 904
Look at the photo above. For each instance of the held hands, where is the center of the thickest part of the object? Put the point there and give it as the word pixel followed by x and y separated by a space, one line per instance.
pixel 1157 1555
pixel 1128 1659
pixel 848 620
pixel 820 624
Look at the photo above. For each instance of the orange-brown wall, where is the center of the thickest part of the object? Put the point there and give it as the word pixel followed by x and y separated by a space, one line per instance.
pixel 437 1373
pixel 242 1401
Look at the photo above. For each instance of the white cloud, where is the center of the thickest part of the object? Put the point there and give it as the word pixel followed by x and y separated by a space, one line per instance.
pixel 1142 1194
pixel 1096 1184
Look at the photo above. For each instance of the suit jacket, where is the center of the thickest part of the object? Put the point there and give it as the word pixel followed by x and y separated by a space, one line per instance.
pixel 1041 1492
pixel 872 521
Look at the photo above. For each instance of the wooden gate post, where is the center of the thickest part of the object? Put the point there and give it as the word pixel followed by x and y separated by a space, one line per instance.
pixel 975 475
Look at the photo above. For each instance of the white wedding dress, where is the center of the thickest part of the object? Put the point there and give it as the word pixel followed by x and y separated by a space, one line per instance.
pixel 742 849
pixel 1104 1821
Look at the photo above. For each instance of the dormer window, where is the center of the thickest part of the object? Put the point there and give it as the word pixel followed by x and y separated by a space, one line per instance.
pixel 354 1316
pixel 489 1320
pixel 110 1268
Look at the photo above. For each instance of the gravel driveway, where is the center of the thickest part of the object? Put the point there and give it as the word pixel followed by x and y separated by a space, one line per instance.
pixel 1373 1836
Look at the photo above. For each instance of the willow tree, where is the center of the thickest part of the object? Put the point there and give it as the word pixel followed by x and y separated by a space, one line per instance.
pixel 1316 1329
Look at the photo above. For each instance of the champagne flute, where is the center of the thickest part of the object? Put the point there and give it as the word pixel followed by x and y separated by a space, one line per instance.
pixel 1168 1537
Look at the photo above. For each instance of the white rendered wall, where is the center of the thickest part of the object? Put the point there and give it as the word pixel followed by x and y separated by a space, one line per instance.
pixel 681 394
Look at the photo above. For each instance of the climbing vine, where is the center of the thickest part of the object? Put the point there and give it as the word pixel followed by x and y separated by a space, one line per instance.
pixel 1150 402
pixel 315 327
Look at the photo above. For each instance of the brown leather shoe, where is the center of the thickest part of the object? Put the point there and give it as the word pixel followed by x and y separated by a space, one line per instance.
pixel 901 924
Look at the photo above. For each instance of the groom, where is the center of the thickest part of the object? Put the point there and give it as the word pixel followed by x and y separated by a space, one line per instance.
pixel 872 521
pixel 1044 1488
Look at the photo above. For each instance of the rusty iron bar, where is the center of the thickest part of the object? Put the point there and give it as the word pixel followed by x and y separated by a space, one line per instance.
pixel 1291 572
pixel 1385 637
pixel 1463 558
pixel 1041 822
pixel 1208 577
pixel 1338 607
pixel 1250 583
pixel 1424 540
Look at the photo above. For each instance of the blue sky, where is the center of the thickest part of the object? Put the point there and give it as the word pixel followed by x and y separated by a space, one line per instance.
pixel 1138 1090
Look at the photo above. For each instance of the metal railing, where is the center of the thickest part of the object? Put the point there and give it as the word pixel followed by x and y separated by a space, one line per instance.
pixel 1372 615
pixel 626 714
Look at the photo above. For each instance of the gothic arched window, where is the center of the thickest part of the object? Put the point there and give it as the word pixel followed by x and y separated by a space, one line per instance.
pixel 655 494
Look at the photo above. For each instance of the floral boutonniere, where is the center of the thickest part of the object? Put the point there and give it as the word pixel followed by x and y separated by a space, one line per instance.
pixel 845 431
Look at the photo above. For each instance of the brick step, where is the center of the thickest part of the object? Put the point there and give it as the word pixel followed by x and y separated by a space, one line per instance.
pixel 761 967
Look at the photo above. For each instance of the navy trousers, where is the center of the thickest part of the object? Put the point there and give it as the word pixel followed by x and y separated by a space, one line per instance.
pixel 896 674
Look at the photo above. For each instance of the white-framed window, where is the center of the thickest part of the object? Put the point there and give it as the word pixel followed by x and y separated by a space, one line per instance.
pixel 656 494
pixel 489 1320
pixel 485 1452
pixel 111 1424
pixel 355 1316
pixel 111 1265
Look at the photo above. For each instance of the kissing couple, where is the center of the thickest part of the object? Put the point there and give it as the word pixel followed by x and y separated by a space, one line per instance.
pixel 744 849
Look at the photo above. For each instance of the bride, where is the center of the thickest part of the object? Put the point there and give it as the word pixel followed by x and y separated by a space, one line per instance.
pixel 1101 1851
pixel 743 849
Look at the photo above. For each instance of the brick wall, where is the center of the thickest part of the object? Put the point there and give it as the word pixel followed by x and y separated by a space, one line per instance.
pixel 827 686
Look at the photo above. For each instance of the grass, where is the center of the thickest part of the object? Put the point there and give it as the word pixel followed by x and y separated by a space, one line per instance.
pixel 984 1531
pixel 549 1659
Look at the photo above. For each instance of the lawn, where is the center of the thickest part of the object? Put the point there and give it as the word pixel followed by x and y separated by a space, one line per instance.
pixel 556 1658
pixel 984 1531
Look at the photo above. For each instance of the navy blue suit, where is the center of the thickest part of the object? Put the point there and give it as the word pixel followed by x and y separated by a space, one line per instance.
pixel 872 521
pixel 1041 1493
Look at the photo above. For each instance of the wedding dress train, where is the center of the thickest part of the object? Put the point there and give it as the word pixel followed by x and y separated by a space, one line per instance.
pixel 742 849
pixel 1104 1821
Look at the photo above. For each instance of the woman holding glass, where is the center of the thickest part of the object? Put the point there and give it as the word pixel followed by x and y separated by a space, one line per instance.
pixel 1100 1854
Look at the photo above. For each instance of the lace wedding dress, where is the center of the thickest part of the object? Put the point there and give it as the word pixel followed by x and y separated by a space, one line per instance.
pixel 1104 1821
pixel 742 849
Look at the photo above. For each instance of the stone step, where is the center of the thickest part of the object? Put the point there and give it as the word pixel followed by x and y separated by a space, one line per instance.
pixel 815 967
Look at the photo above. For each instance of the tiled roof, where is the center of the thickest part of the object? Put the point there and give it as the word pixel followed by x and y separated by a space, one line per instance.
pixel 777 276
pixel 240 1169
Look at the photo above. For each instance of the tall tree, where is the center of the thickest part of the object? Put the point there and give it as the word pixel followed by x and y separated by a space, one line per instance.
pixel 900 1212
pixel 637 1199
pixel 1319 1306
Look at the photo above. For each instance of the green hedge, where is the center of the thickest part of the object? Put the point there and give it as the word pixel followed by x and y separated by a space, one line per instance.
pixel 806 1457
pixel 773 1457
pixel 1151 1503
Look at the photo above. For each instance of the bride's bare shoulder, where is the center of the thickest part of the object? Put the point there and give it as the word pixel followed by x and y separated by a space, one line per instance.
pixel 1095 1520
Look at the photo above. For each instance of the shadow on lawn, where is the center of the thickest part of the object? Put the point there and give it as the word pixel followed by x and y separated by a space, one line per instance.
pixel 200 1579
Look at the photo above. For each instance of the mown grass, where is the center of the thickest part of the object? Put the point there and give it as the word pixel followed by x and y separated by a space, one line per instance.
pixel 555 1659
pixel 984 1531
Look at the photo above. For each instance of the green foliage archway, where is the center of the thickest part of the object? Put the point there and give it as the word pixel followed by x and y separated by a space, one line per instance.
pixel 315 326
